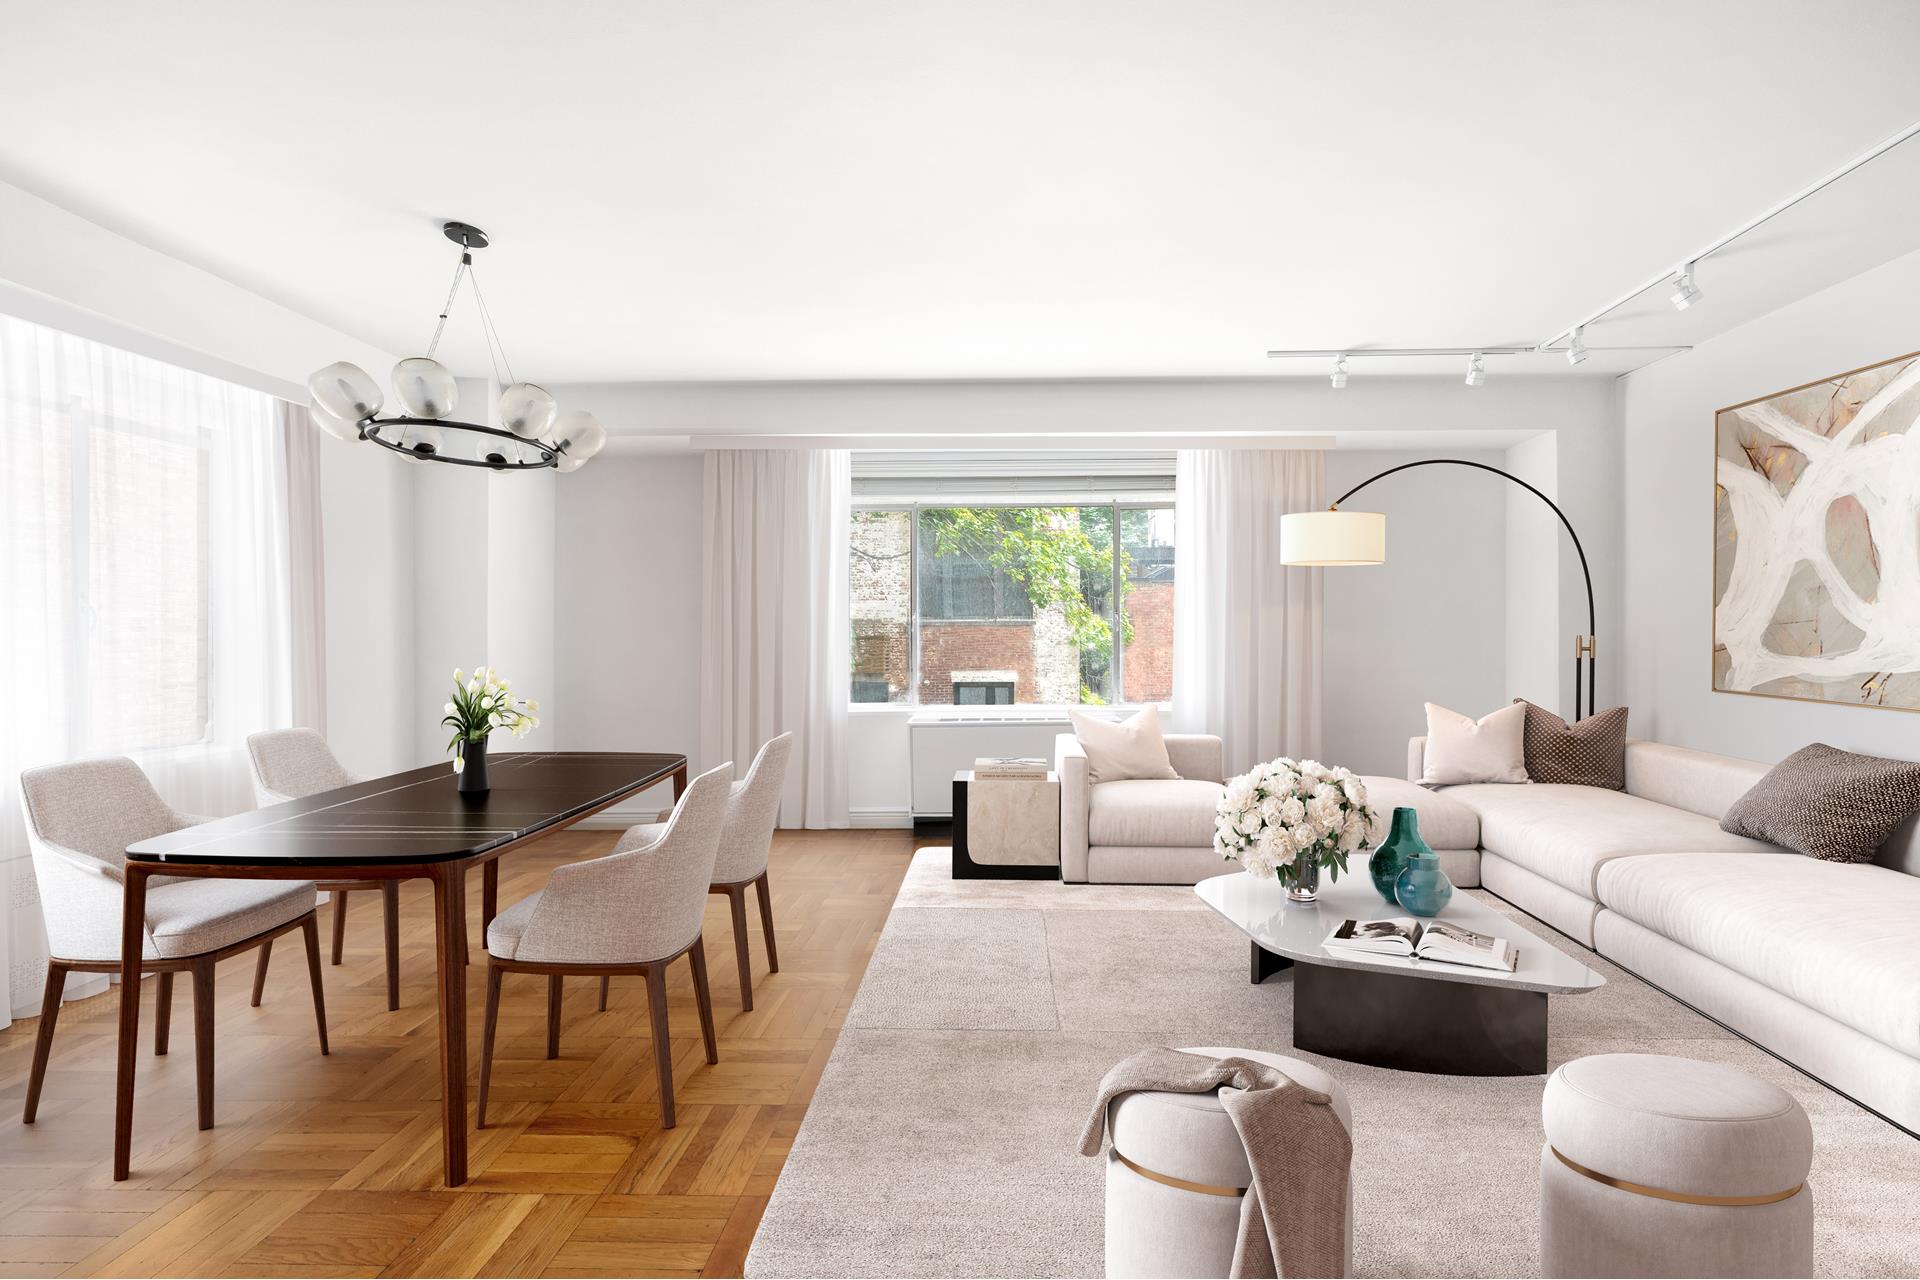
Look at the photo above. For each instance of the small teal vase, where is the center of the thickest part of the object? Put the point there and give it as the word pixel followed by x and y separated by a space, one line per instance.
pixel 1423 888
pixel 1390 859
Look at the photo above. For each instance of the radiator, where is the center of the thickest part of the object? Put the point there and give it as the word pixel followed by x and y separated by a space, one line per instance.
pixel 941 744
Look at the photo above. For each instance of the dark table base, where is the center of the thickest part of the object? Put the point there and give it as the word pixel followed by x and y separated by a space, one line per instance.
pixel 1418 1024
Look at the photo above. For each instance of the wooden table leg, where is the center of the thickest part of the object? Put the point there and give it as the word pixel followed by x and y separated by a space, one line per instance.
pixel 489 897
pixel 133 939
pixel 679 783
pixel 450 930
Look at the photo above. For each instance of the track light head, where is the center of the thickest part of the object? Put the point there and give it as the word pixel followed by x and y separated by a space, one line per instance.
pixel 1339 376
pixel 1577 346
pixel 1685 291
pixel 1476 369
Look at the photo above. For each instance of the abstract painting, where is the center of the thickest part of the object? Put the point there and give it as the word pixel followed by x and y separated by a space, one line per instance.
pixel 1816 540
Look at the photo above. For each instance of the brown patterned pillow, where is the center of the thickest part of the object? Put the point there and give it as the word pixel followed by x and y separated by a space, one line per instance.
pixel 1828 803
pixel 1591 753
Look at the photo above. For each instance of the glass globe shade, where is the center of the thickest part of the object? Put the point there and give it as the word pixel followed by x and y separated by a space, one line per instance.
pixel 570 462
pixel 424 442
pixel 424 387
pixel 344 390
pixel 527 410
pixel 497 452
pixel 581 433
pixel 339 428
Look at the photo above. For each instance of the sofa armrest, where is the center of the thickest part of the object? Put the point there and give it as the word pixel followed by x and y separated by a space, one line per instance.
pixel 1416 758
pixel 1197 755
pixel 1070 766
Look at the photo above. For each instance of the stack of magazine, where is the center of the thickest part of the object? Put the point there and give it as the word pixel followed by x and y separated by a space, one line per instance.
pixel 1423 940
pixel 987 767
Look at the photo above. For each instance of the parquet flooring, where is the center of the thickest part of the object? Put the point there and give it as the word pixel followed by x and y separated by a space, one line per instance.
pixel 330 1166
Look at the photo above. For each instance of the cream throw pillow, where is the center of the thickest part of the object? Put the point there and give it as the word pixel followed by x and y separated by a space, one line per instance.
pixel 1462 749
pixel 1131 749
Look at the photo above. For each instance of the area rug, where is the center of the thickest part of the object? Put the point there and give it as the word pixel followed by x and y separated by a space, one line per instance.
pixel 941 1139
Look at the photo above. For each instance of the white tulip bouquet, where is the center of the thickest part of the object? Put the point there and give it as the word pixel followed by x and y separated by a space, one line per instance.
pixel 481 703
pixel 1287 818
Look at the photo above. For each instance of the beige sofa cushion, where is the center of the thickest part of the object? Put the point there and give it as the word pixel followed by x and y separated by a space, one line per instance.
pixel 1444 822
pixel 1837 937
pixel 1566 833
pixel 1170 813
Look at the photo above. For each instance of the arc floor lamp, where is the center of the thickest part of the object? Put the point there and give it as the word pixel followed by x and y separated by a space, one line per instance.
pixel 1335 538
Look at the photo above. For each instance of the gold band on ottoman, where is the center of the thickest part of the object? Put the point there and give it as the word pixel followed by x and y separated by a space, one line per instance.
pixel 1680 1197
pixel 1180 1183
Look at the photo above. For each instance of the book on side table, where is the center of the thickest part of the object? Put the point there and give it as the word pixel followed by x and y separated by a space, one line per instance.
pixel 987 768
pixel 1433 940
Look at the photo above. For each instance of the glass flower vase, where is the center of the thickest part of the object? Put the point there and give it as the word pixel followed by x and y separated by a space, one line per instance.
pixel 1304 884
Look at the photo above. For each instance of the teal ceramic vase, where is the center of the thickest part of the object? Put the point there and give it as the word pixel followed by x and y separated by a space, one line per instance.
pixel 1423 888
pixel 1390 859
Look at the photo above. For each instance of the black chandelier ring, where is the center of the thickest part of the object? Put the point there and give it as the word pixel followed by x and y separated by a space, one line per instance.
pixel 421 450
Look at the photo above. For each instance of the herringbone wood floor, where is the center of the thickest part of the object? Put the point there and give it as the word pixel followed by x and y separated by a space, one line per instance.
pixel 330 1166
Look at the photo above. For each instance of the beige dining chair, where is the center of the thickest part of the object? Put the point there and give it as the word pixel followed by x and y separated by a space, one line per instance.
pixel 634 911
pixel 291 764
pixel 80 819
pixel 753 811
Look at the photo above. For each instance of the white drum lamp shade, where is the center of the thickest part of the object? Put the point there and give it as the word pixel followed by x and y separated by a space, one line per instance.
pixel 1333 538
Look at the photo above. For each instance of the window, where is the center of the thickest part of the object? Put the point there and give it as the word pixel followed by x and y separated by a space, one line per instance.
pixel 997 604
pixel 142 526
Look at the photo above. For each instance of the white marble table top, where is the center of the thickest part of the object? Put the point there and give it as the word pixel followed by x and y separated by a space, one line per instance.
pixel 1259 909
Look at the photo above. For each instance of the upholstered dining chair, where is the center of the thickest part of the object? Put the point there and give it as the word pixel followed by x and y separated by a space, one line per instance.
pixel 753 811
pixel 634 911
pixel 80 819
pixel 290 764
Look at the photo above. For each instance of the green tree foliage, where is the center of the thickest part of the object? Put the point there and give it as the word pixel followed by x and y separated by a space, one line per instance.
pixel 1061 556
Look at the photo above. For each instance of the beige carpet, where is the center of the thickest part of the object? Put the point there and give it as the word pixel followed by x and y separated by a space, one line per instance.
pixel 941 1139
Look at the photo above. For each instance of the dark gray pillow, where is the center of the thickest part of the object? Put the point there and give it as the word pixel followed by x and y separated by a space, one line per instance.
pixel 1590 753
pixel 1828 803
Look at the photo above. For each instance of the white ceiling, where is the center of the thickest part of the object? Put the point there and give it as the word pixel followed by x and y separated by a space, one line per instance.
pixel 997 188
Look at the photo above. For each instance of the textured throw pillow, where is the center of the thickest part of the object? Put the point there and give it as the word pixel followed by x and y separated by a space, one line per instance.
pixel 1462 749
pixel 1592 753
pixel 1828 803
pixel 1131 749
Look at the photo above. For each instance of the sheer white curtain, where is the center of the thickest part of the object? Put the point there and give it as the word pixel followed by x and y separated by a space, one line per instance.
pixel 774 625
pixel 1246 629
pixel 144 574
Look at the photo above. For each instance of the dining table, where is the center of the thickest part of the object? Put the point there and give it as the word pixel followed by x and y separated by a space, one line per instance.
pixel 412 825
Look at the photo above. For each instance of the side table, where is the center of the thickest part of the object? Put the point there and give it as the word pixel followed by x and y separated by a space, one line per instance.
pixel 1006 828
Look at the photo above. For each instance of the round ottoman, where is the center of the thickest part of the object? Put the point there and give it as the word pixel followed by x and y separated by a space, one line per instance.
pixel 1177 1175
pixel 1658 1166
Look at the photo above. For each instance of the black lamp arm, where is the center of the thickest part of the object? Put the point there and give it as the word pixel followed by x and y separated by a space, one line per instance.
pixel 1592 625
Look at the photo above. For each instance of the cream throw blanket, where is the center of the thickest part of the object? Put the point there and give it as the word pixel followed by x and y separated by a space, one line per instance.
pixel 1298 1149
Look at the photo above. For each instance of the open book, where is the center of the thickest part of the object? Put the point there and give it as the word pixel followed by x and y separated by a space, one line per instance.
pixel 1423 940
pixel 1009 767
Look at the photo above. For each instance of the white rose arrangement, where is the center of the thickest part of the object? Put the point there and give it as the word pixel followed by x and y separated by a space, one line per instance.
pixel 483 702
pixel 1286 815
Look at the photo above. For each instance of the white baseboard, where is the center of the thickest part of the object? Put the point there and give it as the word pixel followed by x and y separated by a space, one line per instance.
pixel 880 818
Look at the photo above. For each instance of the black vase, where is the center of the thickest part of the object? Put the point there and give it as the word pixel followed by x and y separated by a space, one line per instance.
pixel 473 777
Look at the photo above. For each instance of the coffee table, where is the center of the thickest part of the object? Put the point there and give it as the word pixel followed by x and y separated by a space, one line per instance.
pixel 1386 1011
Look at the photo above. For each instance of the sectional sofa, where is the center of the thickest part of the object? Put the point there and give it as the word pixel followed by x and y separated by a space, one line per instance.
pixel 1818 962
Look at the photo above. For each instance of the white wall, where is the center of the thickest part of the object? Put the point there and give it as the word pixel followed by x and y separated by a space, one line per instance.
pixel 1425 626
pixel 1534 638
pixel 627 609
pixel 367 533
pixel 449 545
pixel 1667 416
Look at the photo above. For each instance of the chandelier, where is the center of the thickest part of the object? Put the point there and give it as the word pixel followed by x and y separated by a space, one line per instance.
pixel 532 434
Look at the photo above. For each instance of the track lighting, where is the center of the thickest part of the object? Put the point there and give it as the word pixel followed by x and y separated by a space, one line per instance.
pixel 1577 346
pixel 1476 370
pixel 1685 292
pixel 1339 378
